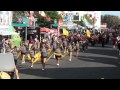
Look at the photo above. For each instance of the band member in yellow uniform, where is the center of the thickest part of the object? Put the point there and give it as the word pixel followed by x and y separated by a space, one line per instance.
pixel 54 47
pixel 32 53
pixel 23 52
pixel 65 45
pixel 58 54
pixel 44 56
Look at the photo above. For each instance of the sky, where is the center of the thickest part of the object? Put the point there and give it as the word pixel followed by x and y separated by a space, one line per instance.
pixel 116 13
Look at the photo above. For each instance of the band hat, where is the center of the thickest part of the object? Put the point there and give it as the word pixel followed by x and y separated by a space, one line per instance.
pixel 4 75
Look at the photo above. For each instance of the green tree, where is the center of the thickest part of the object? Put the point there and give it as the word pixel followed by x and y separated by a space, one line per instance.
pixel 43 22
pixel 17 14
pixel 111 20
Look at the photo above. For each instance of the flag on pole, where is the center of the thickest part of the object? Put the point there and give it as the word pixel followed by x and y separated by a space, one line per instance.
pixel 65 32
pixel 88 33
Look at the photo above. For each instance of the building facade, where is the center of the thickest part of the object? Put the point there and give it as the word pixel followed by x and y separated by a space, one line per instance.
pixel 90 18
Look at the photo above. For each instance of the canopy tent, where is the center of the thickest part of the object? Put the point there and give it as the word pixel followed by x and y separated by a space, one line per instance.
pixel 4 33
pixel 25 23
pixel 69 25
pixel 54 25
pixel 15 38
pixel 19 25
pixel 44 29
pixel 7 31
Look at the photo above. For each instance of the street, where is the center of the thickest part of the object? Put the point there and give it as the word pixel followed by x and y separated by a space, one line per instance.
pixel 95 63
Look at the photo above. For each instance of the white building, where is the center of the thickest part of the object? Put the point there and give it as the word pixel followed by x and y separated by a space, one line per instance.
pixel 77 15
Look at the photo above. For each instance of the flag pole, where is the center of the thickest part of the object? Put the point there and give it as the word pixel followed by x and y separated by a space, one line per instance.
pixel 25 33
pixel 58 31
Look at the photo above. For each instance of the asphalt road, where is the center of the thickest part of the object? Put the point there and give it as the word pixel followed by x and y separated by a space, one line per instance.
pixel 95 63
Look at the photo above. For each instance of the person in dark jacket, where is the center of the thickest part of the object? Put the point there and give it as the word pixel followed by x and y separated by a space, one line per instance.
pixel 103 40
pixel 58 54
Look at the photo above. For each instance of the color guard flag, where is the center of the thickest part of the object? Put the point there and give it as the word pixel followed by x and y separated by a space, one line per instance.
pixel 65 32
pixel 88 33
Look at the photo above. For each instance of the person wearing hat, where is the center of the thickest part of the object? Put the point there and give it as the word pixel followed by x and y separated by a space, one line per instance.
pixel 15 54
pixel 4 75
pixel 54 46
pixel 58 54
pixel 77 48
pixel 9 75
pixel 32 54
pixel 23 52
pixel 65 45
pixel 44 56
pixel 31 42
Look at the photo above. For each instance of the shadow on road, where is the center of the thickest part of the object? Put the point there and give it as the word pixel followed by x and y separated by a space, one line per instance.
pixel 103 60
pixel 95 63
pixel 103 51
pixel 74 73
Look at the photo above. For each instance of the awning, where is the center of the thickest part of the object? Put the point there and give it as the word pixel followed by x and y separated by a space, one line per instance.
pixel 54 25
pixel 44 30
pixel 19 25
pixel 7 31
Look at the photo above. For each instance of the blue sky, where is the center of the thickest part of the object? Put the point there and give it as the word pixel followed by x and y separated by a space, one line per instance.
pixel 117 13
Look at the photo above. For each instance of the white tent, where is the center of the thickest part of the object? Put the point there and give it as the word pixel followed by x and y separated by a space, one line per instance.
pixel 6 31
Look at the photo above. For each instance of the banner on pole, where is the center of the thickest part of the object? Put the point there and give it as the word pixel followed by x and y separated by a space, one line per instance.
pixel 5 18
